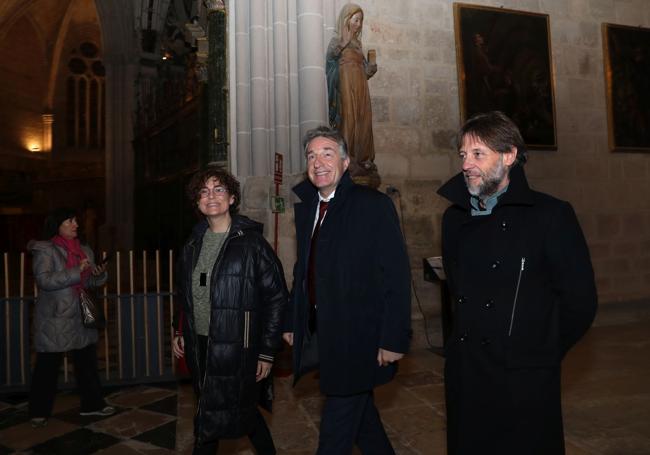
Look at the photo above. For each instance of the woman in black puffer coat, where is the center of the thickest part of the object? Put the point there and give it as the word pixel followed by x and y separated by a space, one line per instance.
pixel 232 295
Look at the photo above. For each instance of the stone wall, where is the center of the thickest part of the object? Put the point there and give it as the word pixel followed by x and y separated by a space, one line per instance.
pixel 416 111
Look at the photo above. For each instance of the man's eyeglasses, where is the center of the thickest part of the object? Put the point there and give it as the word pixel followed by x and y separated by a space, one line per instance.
pixel 217 191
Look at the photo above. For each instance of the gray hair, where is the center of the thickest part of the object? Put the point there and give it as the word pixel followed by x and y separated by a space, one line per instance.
pixel 328 133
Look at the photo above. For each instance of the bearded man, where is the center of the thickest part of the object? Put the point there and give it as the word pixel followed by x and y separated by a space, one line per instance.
pixel 519 272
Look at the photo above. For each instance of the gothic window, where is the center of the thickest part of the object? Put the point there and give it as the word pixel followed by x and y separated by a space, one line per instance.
pixel 85 99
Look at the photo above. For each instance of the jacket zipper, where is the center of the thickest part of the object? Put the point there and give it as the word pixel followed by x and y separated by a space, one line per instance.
pixel 514 303
pixel 247 321
pixel 196 338
pixel 207 347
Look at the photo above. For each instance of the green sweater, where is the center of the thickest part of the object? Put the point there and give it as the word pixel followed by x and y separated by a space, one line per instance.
pixel 212 243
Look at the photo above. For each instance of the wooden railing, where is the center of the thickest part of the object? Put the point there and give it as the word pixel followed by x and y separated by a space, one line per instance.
pixel 138 302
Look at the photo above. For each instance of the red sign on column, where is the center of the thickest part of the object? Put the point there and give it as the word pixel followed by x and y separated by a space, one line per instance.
pixel 277 176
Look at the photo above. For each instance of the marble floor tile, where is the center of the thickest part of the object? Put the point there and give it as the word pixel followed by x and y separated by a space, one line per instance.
pixel 393 395
pixel 163 436
pixel 131 423
pixel 23 436
pixel 167 405
pixel 11 416
pixel 606 405
pixel 79 442
pixel 139 396
pixel 430 394
pixel 419 378
pixel 132 447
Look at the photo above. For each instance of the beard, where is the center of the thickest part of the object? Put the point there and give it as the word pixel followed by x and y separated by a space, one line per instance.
pixel 490 180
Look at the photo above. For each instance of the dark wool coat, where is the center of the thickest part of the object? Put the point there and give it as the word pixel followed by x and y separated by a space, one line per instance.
pixel 524 293
pixel 362 286
pixel 248 296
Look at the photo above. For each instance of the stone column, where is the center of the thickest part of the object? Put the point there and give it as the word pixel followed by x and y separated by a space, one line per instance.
pixel 48 120
pixel 217 89
pixel 120 95
pixel 278 60
pixel 311 65
pixel 121 62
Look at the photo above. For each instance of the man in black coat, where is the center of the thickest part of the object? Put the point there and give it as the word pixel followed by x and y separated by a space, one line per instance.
pixel 521 278
pixel 350 312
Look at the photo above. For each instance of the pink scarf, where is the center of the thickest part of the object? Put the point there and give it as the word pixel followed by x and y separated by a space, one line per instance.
pixel 74 257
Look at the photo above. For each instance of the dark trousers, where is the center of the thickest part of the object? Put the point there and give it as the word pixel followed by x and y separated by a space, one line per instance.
pixel 260 436
pixel 45 378
pixel 349 420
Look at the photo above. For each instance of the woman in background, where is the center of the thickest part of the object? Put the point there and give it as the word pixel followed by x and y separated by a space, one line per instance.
pixel 232 292
pixel 348 72
pixel 62 267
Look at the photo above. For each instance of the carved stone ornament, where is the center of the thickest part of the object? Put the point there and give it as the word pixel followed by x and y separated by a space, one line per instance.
pixel 214 5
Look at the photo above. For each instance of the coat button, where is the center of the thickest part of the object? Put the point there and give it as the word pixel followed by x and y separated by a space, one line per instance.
pixel 485 341
pixel 463 337
pixel 489 304
pixel 461 300
pixel 495 265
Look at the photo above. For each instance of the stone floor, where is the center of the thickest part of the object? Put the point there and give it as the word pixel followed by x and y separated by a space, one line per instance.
pixel 606 407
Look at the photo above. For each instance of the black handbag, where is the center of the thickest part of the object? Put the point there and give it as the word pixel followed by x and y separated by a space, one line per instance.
pixel 92 315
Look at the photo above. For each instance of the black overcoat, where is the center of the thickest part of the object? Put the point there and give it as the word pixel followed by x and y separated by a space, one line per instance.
pixel 362 286
pixel 248 297
pixel 524 293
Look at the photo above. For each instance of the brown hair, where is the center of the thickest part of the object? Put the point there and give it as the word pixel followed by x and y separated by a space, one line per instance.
pixel 497 131
pixel 225 178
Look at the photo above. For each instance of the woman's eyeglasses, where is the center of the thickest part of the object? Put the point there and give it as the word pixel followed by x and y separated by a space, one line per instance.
pixel 217 191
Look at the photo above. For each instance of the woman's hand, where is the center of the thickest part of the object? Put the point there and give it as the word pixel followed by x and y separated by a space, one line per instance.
pixel 84 264
pixel 178 347
pixel 99 269
pixel 263 370
pixel 371 69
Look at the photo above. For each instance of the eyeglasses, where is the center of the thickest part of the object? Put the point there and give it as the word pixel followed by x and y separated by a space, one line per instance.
pixel 217 191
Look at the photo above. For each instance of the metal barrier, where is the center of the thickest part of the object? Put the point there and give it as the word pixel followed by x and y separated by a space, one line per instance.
pixel 135 345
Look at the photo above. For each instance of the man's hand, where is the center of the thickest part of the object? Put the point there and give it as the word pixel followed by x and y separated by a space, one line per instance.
pixel 288 337
pixel 178 346
pixel 263 370
pixel 385 357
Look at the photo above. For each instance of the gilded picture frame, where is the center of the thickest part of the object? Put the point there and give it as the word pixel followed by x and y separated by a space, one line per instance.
pixel 504 63
pixel 626 57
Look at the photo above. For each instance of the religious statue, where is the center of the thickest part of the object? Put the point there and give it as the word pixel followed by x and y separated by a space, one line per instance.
pixel 348 71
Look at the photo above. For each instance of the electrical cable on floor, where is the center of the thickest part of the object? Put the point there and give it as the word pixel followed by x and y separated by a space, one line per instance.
pixel 391 191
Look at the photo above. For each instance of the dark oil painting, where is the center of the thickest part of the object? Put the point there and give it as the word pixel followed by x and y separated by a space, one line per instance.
pixel 504 63
pixel 627 79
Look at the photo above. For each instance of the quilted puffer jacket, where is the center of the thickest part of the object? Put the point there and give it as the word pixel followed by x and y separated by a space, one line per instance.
pixel 248 296
pixel 57 317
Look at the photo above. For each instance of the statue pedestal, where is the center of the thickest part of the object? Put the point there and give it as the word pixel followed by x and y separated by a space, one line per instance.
pixel 372 180
pixel 365 174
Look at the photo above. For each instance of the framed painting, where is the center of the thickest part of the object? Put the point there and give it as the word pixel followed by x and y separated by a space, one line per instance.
pixel 504 63
pixel 626 52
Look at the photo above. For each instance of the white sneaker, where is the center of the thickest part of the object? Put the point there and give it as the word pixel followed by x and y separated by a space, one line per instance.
pixel 105 411
pixel 39 422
